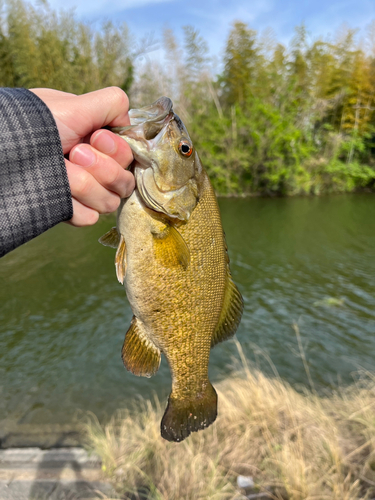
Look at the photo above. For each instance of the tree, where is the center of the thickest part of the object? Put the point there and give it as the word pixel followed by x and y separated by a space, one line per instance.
pixel 241 58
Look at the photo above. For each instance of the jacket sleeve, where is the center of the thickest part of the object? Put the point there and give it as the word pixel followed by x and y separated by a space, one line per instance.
pixel 34 188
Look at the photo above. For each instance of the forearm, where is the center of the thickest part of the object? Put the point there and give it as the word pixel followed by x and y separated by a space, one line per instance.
pixel 34 188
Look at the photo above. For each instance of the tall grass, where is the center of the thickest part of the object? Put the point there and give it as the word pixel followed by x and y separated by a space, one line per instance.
pixel 295 445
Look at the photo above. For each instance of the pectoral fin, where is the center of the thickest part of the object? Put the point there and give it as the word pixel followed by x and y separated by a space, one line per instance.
pixel 139 354
pixel 170 248
pixel 110 239
pixel 231 312
pixel 120 260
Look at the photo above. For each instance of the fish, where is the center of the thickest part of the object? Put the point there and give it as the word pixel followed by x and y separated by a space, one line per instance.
pixel 173 260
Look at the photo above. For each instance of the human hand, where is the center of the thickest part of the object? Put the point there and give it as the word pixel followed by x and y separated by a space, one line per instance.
pixel 97 158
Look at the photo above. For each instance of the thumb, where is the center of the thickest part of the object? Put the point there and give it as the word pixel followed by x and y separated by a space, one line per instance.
pixel 79 116
pixel 107 106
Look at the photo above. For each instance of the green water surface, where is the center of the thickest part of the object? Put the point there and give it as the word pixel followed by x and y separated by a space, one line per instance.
pixel 63 315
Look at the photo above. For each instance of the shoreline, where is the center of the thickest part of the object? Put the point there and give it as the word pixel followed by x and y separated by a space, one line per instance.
pixel 270 195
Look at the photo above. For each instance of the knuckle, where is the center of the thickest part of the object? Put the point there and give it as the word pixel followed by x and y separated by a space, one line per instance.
pixel 121 98
pixel 92 218
pixel 83 183
pixel 111 204
pixel 112 177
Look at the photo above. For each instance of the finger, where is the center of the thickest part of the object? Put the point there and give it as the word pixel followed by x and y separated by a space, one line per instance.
pixel 107 106
pixel 82 215
pixel 112 145
pixel 88 191
pixel 105 170
pixel 52 93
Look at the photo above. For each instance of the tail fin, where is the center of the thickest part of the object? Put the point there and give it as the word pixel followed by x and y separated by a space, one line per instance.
pixel 184 416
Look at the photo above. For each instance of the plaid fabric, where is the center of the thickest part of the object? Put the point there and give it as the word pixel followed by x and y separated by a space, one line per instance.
pixel 34 189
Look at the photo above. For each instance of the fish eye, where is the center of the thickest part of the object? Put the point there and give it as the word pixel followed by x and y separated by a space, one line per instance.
pixel 185 148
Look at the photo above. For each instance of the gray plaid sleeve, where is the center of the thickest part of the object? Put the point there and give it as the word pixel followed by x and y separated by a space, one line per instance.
pixel 34 188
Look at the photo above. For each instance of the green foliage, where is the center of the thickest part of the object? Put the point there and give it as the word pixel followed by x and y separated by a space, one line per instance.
pixel 250 149
pixel 241 63
pixel 340 177
pixel 279 120
pixel 40 48
pixel 276 120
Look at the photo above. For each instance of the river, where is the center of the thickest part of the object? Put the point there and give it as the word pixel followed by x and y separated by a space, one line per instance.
pixel 63 315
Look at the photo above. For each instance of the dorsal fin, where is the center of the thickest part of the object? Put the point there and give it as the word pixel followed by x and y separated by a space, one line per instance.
pixel 231 313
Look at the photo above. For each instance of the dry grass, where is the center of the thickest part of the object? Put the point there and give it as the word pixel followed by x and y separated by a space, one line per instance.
pixel 295 446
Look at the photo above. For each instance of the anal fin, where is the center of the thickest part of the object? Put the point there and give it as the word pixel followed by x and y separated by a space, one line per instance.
pixel 231 312
pixel 139 354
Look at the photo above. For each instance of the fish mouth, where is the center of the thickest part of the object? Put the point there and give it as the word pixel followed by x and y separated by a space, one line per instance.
pixel 156 111
pixel 152 137
pixel 147 122
pixel 147 127
pixel 153 128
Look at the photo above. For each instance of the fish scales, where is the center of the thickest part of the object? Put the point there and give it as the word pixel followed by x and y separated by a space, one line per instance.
pixel 183 302
pixel 172 258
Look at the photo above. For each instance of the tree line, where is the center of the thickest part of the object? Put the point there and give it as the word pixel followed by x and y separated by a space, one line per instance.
pixel 266 118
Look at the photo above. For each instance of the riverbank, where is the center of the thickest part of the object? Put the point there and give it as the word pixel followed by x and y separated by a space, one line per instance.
pixel 293 445
pixel 300 194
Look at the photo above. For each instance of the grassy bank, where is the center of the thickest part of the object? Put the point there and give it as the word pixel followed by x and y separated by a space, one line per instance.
pixel 294 445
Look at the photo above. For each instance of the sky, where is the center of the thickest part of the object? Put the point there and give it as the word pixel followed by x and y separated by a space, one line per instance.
pixel 213 18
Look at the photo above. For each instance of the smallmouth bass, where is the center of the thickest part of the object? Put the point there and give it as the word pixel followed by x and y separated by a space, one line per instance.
pixel 173 260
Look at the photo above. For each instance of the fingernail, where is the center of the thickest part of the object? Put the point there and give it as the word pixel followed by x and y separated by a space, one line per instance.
pixel 83 156
pixel 104 143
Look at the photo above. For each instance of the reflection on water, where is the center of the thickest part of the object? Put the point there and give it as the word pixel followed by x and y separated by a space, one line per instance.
pixel 63 314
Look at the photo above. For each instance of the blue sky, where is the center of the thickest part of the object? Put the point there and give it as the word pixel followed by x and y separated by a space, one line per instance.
pixel 213 17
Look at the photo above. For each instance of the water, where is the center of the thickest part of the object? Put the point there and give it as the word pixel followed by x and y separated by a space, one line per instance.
pixel 63 314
